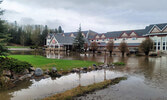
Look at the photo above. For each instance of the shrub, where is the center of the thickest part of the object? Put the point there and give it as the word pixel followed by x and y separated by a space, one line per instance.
pixel 13 65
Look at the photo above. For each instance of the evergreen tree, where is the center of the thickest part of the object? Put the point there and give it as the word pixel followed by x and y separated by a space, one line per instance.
pixel 56 31
pixel 43 36
pixel 79 40
pixel 3 50
pixel 60 29
pixel 3 30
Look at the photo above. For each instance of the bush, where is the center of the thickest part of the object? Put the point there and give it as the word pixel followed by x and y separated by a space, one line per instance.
pixel 119 63
pixel 13 65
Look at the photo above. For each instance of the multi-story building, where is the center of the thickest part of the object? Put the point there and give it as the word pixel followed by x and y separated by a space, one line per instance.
pixel 133 38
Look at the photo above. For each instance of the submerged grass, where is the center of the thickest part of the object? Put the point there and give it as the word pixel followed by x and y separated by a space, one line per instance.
pixel 45 63
pixel 119 63
pixel 81 90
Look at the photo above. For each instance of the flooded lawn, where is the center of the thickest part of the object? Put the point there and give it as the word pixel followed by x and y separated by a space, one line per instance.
pixel 147 80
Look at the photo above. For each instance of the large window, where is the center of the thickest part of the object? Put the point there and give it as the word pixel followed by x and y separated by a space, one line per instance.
pixel 159 45
pixel 134 38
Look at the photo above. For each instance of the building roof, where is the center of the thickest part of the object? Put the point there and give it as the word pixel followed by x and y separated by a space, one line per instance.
pixel 117 34
pixel 150 27
pixel 75 33
pixel 64 40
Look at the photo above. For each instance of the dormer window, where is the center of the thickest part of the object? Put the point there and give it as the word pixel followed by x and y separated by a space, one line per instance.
pixel 124 35
pixel 103 36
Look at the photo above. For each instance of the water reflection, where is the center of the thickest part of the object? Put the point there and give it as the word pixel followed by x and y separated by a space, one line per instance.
pixel 46 87
pixel 147 78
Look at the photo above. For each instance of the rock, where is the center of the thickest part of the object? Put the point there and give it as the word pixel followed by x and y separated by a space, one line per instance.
pixel 100 66
pixel 7 73
pixel 81 68
pixel 46 71
pixel 5 79
pixel 26 71
pixel 38 72
pixel 85 68
pixel 105 66
pixel 54 69
pixel 25 77
pixel 15 76
pixel 73 70
pixel 31 69
pixel 46 76
pixel 90 68
pixel 94 65
pixel 32 72
pixel 55 74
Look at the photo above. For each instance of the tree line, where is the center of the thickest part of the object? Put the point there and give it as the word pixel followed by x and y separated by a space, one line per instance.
pixel 30 34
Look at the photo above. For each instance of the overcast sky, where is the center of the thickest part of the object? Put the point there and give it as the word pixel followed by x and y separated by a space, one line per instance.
pixel 97 15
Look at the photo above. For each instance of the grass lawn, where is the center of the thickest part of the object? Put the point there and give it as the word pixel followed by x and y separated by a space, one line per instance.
pixel 17 46
pixel 45 63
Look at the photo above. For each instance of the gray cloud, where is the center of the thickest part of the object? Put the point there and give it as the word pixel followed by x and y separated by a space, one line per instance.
pixel 100 15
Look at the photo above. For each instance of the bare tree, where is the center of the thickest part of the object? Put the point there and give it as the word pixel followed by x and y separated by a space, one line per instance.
pixel 123 47
pixel 146 46
pixel 85 47
pixel 94 47
pixel 110 46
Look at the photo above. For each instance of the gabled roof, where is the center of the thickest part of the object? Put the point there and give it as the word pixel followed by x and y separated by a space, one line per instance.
pixel 117 34
pixel 161 26
pixel 51 34
pixel 64 40
pixel 150 27
pixel 75 33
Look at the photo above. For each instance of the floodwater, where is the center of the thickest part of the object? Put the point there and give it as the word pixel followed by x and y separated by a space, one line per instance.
pixel 38 89
pixel 147 80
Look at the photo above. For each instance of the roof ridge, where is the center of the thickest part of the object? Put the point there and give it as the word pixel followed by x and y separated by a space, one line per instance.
pixel 126 30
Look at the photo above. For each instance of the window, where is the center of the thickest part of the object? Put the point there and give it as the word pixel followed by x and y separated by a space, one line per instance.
pixel 163 47
pixel 134 38
pixel 155 43
pixel 124 39
pixel 115 39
